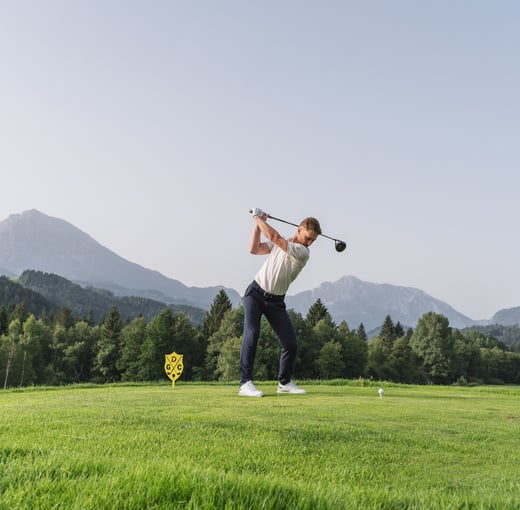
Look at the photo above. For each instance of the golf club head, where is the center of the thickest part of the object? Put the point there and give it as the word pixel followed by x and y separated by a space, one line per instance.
pixel 340 245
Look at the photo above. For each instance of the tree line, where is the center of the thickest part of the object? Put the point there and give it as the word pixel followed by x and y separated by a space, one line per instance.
pixel 62 349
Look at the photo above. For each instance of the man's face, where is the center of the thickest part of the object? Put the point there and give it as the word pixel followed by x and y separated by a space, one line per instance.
pixel 306 237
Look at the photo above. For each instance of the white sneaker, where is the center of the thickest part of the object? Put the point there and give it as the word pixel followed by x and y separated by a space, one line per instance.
pixel 290 387
pixel 248 389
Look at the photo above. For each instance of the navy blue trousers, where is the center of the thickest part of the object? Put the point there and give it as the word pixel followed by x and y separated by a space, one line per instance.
pixel 256 304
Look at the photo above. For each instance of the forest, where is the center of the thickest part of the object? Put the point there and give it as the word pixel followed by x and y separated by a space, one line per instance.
pixel 58 348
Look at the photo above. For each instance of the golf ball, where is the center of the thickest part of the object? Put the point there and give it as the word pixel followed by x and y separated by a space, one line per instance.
pixel 381 391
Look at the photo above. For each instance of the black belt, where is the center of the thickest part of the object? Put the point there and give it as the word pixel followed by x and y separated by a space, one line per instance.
pixel 267 295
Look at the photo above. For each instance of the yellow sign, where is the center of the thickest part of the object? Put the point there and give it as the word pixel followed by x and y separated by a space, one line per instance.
pixel 173 366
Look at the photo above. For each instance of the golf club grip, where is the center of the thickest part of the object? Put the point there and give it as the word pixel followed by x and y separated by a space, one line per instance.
pixel 277 219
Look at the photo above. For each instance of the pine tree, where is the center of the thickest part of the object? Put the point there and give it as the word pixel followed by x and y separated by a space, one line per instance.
pixel 361 333
pixel 65 318
pixel 398 331
pixel 133 336
pixel 317 312
pixel 4 320
pixel 354 351
pixel 387 334
pixel 221 304
pixel 109 347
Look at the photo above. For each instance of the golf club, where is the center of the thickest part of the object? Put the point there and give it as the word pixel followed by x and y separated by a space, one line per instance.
pixel 339 245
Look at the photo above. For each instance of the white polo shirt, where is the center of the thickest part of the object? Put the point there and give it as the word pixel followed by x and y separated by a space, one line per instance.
pixel 280 268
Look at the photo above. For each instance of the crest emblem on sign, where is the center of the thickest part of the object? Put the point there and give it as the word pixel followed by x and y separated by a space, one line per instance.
pixel 173 366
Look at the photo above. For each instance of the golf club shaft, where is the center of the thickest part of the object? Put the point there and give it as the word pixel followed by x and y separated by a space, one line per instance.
pixel 283 221
pixel 294 225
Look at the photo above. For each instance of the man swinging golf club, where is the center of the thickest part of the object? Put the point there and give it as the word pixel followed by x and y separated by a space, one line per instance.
pixel 266 296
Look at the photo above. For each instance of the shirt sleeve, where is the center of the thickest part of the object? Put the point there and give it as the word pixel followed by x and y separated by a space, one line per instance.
pixel 298 252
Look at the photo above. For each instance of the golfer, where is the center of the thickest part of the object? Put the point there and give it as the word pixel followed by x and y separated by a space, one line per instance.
pixel 266 296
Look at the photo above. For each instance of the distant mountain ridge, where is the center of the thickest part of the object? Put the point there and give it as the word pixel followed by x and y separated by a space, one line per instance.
pixel 507 316
pixel 32 240
pixel 355 301
pixel 12 293
pixel 85 302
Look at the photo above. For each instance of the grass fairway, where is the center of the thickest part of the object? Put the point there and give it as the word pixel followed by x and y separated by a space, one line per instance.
pixel 201 446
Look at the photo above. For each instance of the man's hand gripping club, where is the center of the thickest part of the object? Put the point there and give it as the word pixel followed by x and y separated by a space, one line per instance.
pixel 257 247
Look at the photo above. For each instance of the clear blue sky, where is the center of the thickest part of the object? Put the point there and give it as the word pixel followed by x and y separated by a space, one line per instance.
pixel 154 126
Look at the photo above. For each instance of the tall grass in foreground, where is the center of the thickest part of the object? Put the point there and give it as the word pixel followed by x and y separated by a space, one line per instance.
pixel 201 446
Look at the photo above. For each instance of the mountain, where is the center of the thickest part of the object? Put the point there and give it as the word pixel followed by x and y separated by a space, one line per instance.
pixel 12 293
pixel 33 240
pixel 85 302
pixel 507 316
pixel 354 301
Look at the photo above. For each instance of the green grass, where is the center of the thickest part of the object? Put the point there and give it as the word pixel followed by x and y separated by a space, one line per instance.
pixel 201 446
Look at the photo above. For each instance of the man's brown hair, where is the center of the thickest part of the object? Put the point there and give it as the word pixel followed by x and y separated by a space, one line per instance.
pixel 311 223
